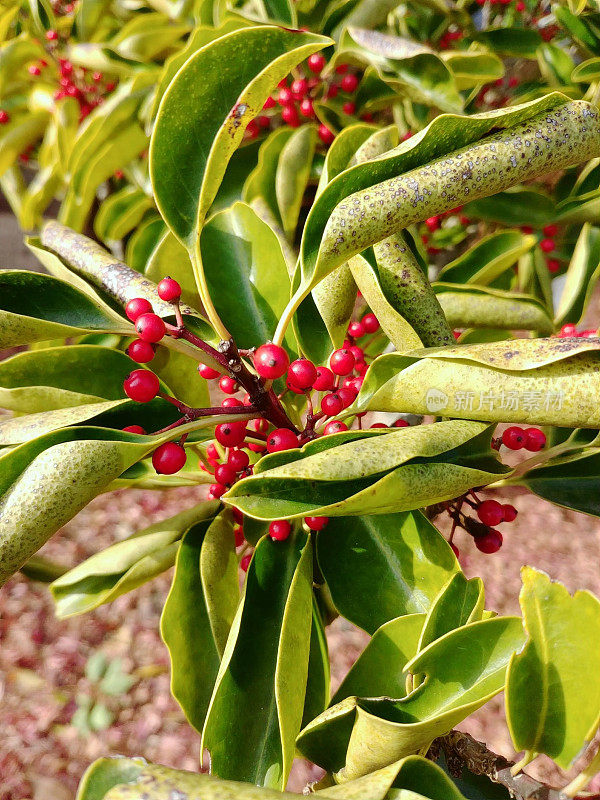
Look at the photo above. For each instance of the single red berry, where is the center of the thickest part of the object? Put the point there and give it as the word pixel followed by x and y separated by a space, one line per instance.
pixel 263 121
pixel 51 35
pixel 260 425
pixel 316 523
pixel 281 439
pixel 370 323
pixel 136 307
pixel 455 549
pixel 342 362
pixel 285 96
pixel 535 439
pixel 325 135
pixel 225 474
pixel 270 102
pixel 361 367
pixel 514 438
pixel 550 230
pixel 168 458
pixel 257 448
pixel 325 380
pixel 547 245
pixel 299 88
pixel 230 402
pixel 526 229
pixel 553 265
pixel 134 429
pixel 238 460
pixel 237 515
pixel 97 77
pixel 212 453
pixel 169 290
pixel 279 530
pixel 247 400
pixel 401 423
pixel 335 426
pixel 490 542
pixel 302 373
pixel 332 91
pixel 510 512
pixel 238 535
pixel 354 384
pixel 292 387
pixel 290 116
pixel 140 351
pixel 245 562
pixel 4 117
pixel 208 373
pixel 332 404
pixel 520 6
pixel 216 490
pixel 316 62
pixel 490 512
pixel 150 327
pixel 568 330
pixel 252 129
pixel 341 69
pixel 228 385
pixel 433 223
pixel 33 69
pixel 349 107
pixel 378 425
pixel 349 83
pixel 347 394
pixel 358 353
pixel 141 385
pixel 271 361
pixel 356 330
pixel 230 434
pixel 306 107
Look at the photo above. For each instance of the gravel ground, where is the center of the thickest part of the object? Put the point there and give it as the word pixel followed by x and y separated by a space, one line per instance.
pixel 42 659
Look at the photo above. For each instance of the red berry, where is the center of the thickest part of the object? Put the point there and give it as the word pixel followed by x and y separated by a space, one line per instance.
pixel 332 404
pixel 358 353
pixel 325 135
pixel 225 473
pixel 547 245
pixel 271 361
pixel 520 6
pixel 216 490
pixel 4 117
pixel 490 512
pixel 168 458
pixel 349 107
pixel 378 425
pixel 401 423
pixel 141 385
pixel 134 429
pixel 285 96
pixel 169 290
pixel 307 108
pixel 150 327
pixel 279 530
pixel 263 121
pixel 33 69
pixel 316 523
pixel 228 385
pixel 341 69
pixel 490 542
pixel 260 425
pixel 290 116
pixel 238 460
pixel 281 439
pixel 550 230
pixel 316 62
pixel 97 77
pixel 514 438
pixel 361 367
pixel 302 373
pixel 526 229
pixel 140 351
pixel 349 83
pixel 136 307
pixel 252 129
pixel 292 387
pixel 237 515
pixel 568 330
pixel 269 103
pixel 51 36
pixel 553 265
pixel 212 453
pixel 230 402
pixel 230 434
pixel 510 512
pixel 535 439
pixel 208 373
pixel 325 380
pixel 332 91
pixel 433 223
pixel 342 362
pixel 238 535
pixel 299 88
pixel 245 562
pixel 356 330
pixel 335 426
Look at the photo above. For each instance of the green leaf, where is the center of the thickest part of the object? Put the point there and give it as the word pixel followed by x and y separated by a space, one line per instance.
pixel 105 773
pixel 19 134
pixel 261 683
pixel 536 381
pixel 471 68
pixel 142 242
pixel 35 307
pixel 379 670
pixel 293 172
pixel 193 623
pixel 120 213
pixel 587 71
pixel 482 307
pixel 488 259
pixel 261 181
pixel 124 565
pixel 582 276
pixel 512 207
pixel 316 699
pixel 519 42
pixel 464 669
pixel 553 684
pixel 373 475
pixel 460 602
pixel 145 36
pixel 380 567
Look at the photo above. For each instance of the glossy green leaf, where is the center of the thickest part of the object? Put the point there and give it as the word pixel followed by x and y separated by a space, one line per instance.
pixel 472 67
pixel 582 276
pixel 553 684
pixel 380 567
pixel 261 181
pixel 317 694
pixel 105 773
pixel 519 42
pixel 180 373
pixel 513 206
pixel 18 135
pixel 536 381
pixel 120 213
pixel 460 602
pixel 124 565
pixel 587 71
pixel 145 36
pixel 464 669
pixel 375 475
pixel 293 172
pixel 187 621
pixel 488 259
pixel 169 257
pixel 261 683
pixel 481 307
pixel 143 240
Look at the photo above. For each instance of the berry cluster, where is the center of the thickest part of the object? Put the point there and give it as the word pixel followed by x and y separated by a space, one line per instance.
pixel 547 244
pixel 439 231
pixel 490 513
pixel 569 331
pixel 532 439
pixel 294 100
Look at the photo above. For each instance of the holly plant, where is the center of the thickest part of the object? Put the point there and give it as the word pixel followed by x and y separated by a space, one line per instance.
pixel 308 256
